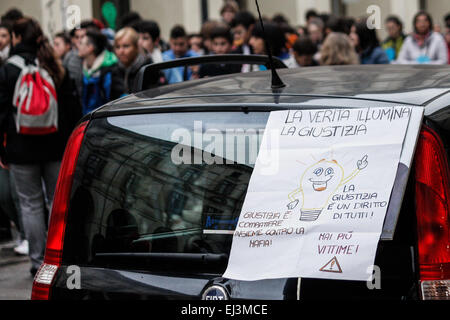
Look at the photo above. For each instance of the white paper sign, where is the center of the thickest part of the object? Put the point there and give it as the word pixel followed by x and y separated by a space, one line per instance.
pixel 318 196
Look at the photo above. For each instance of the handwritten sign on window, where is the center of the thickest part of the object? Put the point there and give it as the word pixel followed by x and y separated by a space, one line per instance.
pixel 319 212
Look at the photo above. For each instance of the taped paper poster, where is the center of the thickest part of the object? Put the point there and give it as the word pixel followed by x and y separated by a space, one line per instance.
pixel 318 195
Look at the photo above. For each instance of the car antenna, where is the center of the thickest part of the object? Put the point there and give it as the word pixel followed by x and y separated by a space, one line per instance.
pixel 277 83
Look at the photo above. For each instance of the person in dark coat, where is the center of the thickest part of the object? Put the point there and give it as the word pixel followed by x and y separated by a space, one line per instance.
pixel 34 159
pixel 126 48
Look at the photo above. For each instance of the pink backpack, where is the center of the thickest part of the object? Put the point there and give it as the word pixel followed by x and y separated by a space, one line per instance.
pixel 35 99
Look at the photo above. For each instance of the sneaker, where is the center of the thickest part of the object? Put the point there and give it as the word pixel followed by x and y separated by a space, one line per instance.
pixel 22 249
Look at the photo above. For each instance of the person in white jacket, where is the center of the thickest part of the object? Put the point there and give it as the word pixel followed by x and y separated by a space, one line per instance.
pixel 424 46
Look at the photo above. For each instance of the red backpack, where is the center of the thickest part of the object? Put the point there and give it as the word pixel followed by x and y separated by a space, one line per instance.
pixel 35 99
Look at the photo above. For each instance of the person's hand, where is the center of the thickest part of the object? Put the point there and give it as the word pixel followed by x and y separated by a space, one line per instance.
pixel 362 164
pixel 292 205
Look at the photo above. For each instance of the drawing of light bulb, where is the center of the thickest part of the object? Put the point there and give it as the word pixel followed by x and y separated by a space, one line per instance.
pixel 317 184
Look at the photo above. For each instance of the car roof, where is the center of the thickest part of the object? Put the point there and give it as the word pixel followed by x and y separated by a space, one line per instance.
pixel 401 84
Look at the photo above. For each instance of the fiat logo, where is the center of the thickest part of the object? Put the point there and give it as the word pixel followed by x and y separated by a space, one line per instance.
pixel 215 293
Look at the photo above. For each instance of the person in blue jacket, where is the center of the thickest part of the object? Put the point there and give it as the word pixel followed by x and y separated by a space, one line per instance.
pixel 367 44
pixel 179 44
pixel 102 81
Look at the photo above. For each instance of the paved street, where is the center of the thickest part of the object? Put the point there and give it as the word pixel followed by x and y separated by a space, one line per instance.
pixel 15 277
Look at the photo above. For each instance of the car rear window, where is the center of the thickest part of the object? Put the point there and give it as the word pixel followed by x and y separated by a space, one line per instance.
pixel 151 190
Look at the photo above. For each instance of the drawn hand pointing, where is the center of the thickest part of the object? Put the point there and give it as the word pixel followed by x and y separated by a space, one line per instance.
pixel 362 164
pixel 292 205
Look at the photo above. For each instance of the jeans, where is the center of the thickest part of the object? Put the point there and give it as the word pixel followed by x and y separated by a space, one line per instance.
pixel 35 185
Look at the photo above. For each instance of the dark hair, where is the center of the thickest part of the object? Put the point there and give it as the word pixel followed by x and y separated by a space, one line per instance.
pixel 325 17
pixel 447 20
pixel 286 28
pixel 12 15
pixel 395 20
pixel 347 23
pixel 86 24
pixel 150 27
pixel 244 18
pixel 207 27
pixel 89 24
pixel 311 14
pixel 422 13
pixel 178 32
pixel 63 35
pixel 274 35
pixel 98 40
pixel 279 18
pixel 304 46
pixel 367 37
pixel 129 19
pixel 222 32
pixel 32 36
pixel 195 35
pixel 7 26
pixel 337 24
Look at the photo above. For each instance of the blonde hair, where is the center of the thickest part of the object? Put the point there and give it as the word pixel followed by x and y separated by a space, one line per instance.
pixel 127 32
pixel 337 49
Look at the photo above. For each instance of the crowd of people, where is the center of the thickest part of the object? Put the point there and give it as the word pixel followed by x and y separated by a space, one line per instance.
pixel 93 64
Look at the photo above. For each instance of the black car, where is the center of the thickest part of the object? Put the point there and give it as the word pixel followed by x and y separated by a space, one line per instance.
pixel 131 220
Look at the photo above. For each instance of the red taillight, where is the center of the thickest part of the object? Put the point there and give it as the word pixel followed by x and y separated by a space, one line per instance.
pixel 433 215
pixel 55 238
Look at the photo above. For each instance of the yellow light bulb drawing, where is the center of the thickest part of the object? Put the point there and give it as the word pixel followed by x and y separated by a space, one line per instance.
pixel 318 183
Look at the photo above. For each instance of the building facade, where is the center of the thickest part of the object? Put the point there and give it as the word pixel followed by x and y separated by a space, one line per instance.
pixel 56 15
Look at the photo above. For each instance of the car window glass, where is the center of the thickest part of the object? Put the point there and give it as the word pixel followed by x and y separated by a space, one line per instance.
pixel 131 194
